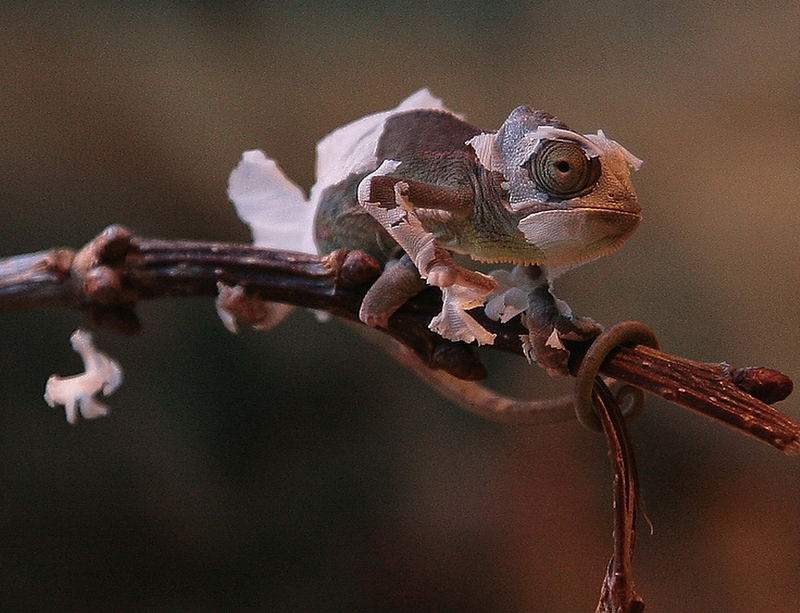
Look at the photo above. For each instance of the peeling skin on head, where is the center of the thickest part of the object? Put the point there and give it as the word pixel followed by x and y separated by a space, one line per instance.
pixel 510 161
pixel 606 144
pixel 550 133
pixel 570 237
pixel 485 148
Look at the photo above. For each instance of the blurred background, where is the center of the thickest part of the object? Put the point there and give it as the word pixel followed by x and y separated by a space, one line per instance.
pixel 301 470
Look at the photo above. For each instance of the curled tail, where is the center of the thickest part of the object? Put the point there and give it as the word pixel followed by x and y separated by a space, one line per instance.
pixel 486 403
pixel 472 396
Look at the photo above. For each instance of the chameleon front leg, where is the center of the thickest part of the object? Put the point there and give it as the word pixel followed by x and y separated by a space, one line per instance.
pixel 398 282
pixel 549 321
pixel 400 205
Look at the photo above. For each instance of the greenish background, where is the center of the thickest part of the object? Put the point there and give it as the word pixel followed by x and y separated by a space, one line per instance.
pixel 301 470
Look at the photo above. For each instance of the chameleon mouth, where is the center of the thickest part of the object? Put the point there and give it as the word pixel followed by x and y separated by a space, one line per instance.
pixel 508 260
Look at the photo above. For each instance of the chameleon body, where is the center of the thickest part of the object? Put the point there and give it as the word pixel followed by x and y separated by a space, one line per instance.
pixel 415 185
pixel 472 214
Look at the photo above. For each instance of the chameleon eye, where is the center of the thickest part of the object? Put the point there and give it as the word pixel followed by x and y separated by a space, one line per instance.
pixel 562 169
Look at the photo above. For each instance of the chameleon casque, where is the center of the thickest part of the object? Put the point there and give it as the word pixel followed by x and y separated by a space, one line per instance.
pixel 415 185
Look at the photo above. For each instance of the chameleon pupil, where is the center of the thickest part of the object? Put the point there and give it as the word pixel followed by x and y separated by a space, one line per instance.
pixel 563 166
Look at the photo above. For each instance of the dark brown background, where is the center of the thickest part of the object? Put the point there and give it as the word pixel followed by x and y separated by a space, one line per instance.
pixel 301 470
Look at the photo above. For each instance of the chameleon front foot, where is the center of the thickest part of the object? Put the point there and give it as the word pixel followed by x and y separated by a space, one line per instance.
pixel 545 346
pixel 550 322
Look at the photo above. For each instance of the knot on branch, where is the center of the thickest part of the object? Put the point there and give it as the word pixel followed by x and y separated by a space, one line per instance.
pixel 97 269
pixel 766 384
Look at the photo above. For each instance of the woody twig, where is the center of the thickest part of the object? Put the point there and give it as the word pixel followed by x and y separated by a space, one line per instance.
pixel 116 270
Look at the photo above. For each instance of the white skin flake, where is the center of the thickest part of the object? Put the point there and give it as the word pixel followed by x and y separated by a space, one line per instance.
pixel 273 206
pixel 454 323
pixel 351 149
pixel 77 393
pixel 511 296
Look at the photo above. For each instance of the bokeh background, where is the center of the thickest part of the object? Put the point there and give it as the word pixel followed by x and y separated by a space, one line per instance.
pixel 301 470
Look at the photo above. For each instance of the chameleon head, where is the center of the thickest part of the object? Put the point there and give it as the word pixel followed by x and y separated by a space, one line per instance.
pixel 571 193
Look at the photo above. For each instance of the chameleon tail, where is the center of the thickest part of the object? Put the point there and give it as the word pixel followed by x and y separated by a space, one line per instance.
pixel 474 397
pixel 491 405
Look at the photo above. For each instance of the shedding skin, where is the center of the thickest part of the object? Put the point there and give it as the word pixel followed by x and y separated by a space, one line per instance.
pixel 436 194
pixel 400 206
pixel 420 184
pixel 392 202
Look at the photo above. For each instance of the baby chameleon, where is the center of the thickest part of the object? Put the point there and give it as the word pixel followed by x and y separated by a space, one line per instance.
pixel 417 184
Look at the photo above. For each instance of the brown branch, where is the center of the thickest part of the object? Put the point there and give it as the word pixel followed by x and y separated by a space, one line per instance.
pixel 115 270
pixel 617 594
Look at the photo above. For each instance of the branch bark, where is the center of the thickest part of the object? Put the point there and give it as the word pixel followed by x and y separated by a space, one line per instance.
pixel 115 270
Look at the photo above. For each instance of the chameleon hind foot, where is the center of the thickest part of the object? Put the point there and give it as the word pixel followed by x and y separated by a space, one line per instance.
pixel 235 306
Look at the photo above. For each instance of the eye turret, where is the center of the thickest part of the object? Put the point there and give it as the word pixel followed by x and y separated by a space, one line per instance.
pixel 562 169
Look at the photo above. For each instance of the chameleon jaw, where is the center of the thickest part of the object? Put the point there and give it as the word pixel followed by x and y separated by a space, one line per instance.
pixel 575 235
